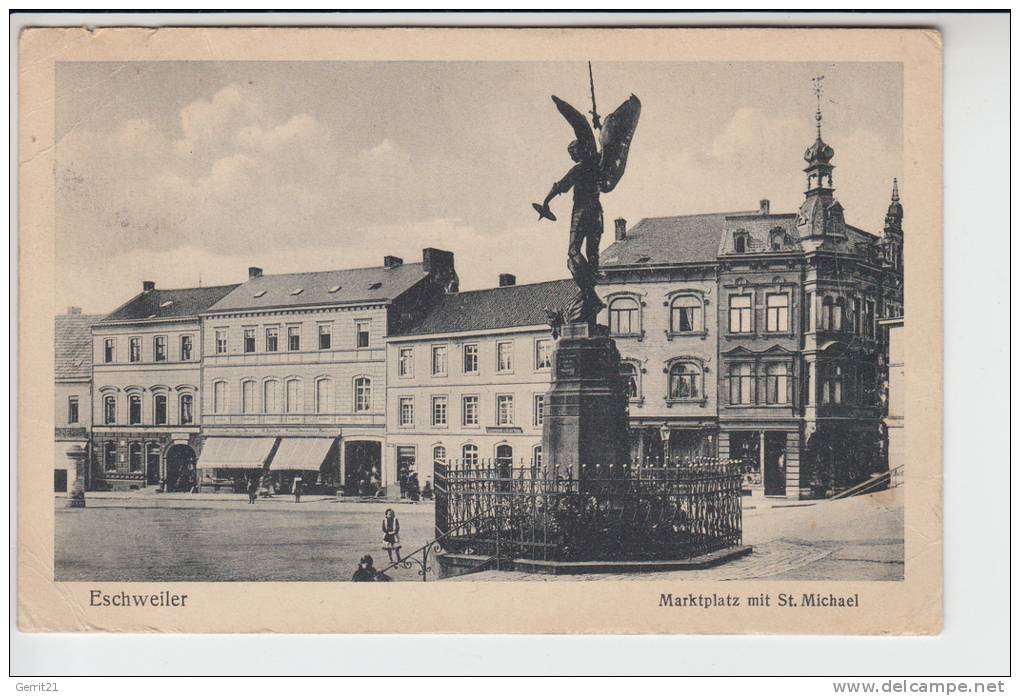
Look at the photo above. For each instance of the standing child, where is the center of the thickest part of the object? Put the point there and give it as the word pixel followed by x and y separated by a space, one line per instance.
pixel 391 534
pixel 297 489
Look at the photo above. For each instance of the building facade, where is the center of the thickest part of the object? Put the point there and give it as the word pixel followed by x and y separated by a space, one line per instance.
pixel 146 396
pixel 467 380
pixel 72 415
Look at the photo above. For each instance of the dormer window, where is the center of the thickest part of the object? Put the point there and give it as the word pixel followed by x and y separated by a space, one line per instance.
pixel 740 242
pixel 375 286
pixel 335 288
pixel 260 293
pixel 776 237
pixel 166 304
pixel 644 259
pixel 297 291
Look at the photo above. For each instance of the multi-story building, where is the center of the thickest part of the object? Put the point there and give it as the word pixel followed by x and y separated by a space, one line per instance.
pixel 72 415
pixel 753 335
pixel 294 372
pixel 895 390
pixel 467 379
pixel 146 397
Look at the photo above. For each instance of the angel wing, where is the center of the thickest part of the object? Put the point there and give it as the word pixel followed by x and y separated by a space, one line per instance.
pixel 617 132
pixel 577 121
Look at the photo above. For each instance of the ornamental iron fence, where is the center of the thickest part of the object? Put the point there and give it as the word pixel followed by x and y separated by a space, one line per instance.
pixel 522 510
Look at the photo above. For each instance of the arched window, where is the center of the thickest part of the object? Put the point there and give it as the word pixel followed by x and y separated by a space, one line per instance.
pixel 685 314
pixel 776 237
pixel 110 457
pixel 469 454
pixel 219 397
pixel 135 457
pixel 629 373
pixel 624 316
pixel 294 396
pixel 187 412
pixel 777 383
pixel 271 396
pixel 248 396
pixel 159 409
pixel 134 409
pixel 740 241
pixel 685 381
pixel 324 395
pixel 439 454
pixel 109 410
pixel 504 460
pixel 362 394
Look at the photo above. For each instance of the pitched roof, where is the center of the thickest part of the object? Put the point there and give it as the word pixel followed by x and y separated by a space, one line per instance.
pixel 73 345
pixel 495 308
pixel 680 239
pixel 376 284
pixel 169 304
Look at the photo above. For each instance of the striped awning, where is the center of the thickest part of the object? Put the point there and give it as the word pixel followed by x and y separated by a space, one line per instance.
pixel 235 452
pixel 301 453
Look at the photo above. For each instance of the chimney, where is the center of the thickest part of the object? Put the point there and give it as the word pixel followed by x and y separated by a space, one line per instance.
pixel 148 285
pixel 438 264
pixel 74 310
pixel 392 261
pixel 507 279
pixel 763 206
pixel 254 272
pixel 621 229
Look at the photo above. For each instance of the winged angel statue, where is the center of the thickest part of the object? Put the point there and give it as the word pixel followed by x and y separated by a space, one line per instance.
pixel 594 173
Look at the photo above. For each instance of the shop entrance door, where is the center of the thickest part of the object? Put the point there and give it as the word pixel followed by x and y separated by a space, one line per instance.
pixel 362 467
pixel 406 462
pixel 775 463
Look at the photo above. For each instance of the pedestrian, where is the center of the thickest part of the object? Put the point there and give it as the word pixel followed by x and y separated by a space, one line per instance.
pixel 426 491
pixel 413 489
pixel 297 489
pixel 253 489
pixel 391 534
pixel 366 572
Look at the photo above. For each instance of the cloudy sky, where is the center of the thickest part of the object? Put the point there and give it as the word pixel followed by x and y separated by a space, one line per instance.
pixel 188 173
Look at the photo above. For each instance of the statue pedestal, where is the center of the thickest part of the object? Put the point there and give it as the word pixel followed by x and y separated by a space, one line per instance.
pixel 77 455
pixel 584 431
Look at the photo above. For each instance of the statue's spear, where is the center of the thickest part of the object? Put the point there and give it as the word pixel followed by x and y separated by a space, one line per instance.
pixel 594 110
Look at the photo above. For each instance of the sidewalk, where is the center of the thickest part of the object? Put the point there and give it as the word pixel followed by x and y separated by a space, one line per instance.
pixel 149 498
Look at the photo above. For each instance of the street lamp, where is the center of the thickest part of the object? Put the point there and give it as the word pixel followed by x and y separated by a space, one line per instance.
pixel 664 434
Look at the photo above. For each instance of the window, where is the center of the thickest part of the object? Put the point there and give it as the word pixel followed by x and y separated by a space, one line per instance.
pixel 504 357
pixel 857 325
pixel 869 386
pixel 543 354
pixel 504 460
pixel 741 384
pixel 684 381
pixel 623 317
pixel 325 336
pixel 110 457
pixel 740 314
pixel 469 408
pixel 777 313
pixel 470 358
pixel 405 362
pixel 272 339
pixel 109 410
pixel 270 396
pixel 809 380
pixel 152 457
pixel 248 396
pixel 826 314
pixel 109 354
pixel 777 383
pixel 536 455
pixel 837 315
pixel 134 409
pixel 221 341
pixel 438 360
pixel 293 396
pixel 406 412
pixel 362 394
pixel 293 338
pixel 832 385
pixel 504 409
pixel 539 408
pixel 869 318
pixel 740 242
pixel 629 373
pixel 685 315
pixel 72 409
pixel 187 409
pixel 249 340
pixel 159 409
pixel 186 342
pixel 776 238
pixel 362 328
pixel 135 349
pixel 219 397
pixel 469 453
pixel 159 348
pixel 439 411
pixel 810 313
pixel 439 454
pixel 324 395
pixel 135 457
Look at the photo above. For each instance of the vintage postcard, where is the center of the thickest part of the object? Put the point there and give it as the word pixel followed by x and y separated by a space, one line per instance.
pixel 545 330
